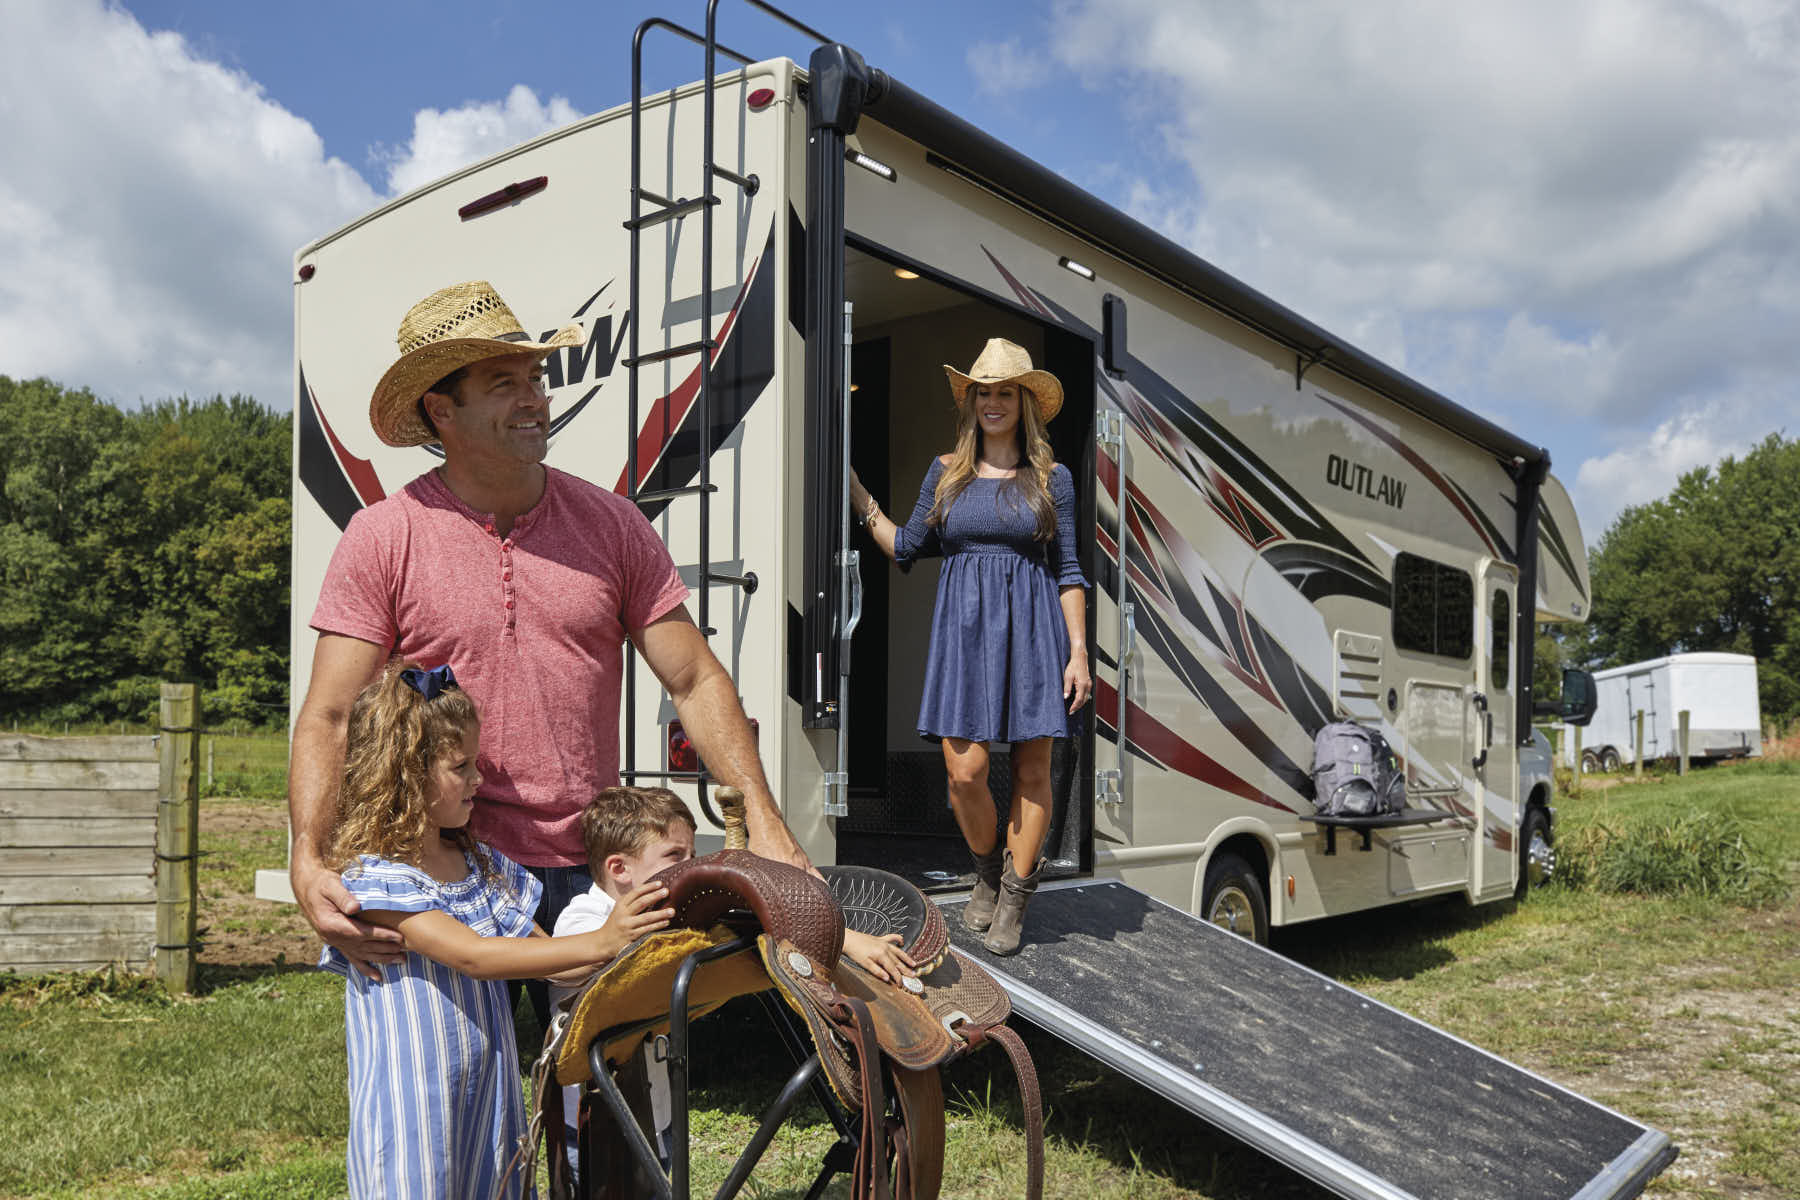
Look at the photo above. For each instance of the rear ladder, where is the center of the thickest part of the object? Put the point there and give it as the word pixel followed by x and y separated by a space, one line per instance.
pixel 661 210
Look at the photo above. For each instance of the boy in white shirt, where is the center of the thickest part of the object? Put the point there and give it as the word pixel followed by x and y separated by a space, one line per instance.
pixel 631 833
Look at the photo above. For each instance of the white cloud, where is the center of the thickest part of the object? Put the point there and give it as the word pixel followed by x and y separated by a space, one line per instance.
pixel 1004 68
pixel 1583 220
pixel 152 201
pixel 149 212
pixel 1648 467
pixel 447 141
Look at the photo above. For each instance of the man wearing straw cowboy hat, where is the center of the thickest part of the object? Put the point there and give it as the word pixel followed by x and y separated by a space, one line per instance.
pixel 528 580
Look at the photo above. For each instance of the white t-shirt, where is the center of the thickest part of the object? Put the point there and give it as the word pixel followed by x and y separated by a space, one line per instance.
pixel 584 914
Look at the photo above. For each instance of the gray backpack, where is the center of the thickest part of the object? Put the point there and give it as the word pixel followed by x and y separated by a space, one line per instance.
pixel 1355 773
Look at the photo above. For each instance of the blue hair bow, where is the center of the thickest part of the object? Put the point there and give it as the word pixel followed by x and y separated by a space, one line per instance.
pixel 429 684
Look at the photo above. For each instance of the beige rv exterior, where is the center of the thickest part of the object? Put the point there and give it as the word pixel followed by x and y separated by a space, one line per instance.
pixel 1267 501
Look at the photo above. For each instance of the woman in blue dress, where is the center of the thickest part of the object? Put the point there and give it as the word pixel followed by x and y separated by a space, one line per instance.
pixel 1008 655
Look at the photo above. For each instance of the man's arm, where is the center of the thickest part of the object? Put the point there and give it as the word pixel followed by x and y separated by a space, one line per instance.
pixel 710 712
pixel 341 666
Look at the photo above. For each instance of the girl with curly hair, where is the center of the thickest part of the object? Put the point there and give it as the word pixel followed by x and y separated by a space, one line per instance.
pixel 435 1104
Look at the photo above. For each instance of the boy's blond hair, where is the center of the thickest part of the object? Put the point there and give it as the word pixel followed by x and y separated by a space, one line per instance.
pixel 624 820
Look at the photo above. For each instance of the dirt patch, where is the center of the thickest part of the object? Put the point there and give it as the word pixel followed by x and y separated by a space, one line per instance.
pixel 1720 1054
pixel 240 930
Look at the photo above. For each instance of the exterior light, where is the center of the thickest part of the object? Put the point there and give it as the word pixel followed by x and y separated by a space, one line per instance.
pixel 872 165
pixel 1069 264
pixel 903 273
pixel 760 99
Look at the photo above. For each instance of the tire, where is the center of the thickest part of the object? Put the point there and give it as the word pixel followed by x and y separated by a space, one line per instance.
pixel 1590 762
pixel 1609 760
pixel 1537 852
pixel 1233 899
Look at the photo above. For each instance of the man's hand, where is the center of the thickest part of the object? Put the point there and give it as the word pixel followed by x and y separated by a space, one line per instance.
pixel 771 838
pixel 331 910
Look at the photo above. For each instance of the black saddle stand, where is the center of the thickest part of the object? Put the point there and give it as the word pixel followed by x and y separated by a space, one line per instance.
pixel 603 1089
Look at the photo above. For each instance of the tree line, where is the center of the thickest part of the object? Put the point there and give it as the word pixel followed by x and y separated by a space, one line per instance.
pixel 139 546
pixel 152 544
pixel 1712 566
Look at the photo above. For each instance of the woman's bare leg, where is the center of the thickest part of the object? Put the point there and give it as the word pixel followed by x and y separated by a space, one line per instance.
pixel 966 763
pixel 1029 819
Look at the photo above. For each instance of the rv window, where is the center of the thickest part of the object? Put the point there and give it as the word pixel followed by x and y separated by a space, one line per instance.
pixel 1434 607
pixel 1500 641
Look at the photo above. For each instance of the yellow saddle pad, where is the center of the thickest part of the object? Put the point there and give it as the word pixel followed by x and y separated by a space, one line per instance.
pixel 628 1000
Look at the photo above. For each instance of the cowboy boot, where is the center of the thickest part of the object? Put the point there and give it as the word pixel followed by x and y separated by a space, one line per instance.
pixel 979 913
pixel 1009 913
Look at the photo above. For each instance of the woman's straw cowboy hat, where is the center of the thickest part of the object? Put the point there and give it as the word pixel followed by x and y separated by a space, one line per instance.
pixel 444 332
pixel 1002 361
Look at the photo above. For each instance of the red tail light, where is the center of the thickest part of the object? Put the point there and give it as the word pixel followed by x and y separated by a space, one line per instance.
pixel 760 99
pixel 682 754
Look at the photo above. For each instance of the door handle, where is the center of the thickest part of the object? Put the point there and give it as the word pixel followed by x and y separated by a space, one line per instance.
pixel 1481 706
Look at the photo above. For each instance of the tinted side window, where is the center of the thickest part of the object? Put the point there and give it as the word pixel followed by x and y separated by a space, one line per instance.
pixel 1500 642
pixel 1434 607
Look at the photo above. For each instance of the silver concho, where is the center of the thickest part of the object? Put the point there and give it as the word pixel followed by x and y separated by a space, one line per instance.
pixel 911 984
pixel 800 964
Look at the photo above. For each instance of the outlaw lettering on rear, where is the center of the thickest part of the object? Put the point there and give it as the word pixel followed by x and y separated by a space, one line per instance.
pixel 1354 477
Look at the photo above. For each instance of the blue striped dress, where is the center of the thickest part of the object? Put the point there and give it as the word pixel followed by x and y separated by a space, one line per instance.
pixel 436 1104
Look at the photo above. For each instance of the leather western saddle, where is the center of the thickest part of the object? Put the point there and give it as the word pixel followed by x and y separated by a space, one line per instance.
pixel 747 924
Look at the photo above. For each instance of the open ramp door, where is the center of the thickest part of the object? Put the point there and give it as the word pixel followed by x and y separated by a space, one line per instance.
pixel 1349 1092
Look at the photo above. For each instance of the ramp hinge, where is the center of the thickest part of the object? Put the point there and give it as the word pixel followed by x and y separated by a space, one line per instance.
pixel 1109 428
pixel 1106 786
pixel 837 793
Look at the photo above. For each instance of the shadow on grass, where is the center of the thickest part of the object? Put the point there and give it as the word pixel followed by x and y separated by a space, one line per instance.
pixel 740 1062
pixel 215 977
pixel 1388 944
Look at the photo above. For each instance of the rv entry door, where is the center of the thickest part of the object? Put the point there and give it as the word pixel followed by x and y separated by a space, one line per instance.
pixel 1494 780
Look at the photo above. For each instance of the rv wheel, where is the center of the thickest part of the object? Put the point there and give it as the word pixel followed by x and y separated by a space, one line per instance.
pixel 1233 899
pixel 1590 762
pixel 1537 853
pixel 1609 759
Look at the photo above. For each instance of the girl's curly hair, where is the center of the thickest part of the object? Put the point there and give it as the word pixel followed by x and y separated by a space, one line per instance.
pixel 395 737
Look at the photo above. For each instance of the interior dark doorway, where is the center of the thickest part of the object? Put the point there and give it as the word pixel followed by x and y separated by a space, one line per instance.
pixel 899 816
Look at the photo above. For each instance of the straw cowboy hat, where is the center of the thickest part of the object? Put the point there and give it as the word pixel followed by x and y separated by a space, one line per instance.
pixel 1002 361
pixel 448 330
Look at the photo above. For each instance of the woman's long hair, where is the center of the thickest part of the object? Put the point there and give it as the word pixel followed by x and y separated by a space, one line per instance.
pixel 1032 481
pixel 396 736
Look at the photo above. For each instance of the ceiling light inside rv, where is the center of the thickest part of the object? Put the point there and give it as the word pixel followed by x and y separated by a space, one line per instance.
pixel 1070 264
pixel 903 273
pixel 872 165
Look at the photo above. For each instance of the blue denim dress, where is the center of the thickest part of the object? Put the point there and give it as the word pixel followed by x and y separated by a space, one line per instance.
pixel 994 669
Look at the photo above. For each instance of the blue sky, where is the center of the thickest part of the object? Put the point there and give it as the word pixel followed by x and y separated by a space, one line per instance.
pixel 1582 221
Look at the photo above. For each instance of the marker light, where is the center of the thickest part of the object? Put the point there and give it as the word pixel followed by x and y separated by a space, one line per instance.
pixel 760 99
pixel 903 273
pixel 1070 264
pixel 872 165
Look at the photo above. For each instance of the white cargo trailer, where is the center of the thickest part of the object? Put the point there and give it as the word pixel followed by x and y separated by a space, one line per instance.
pixel 1281 532
pixel 1717 691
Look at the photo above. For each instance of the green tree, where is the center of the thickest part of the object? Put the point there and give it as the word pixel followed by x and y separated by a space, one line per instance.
pixel 141 545
pixel 1715 565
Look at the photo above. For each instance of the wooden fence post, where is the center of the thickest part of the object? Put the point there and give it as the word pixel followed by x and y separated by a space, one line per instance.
pixel 178 836
pixel 1637 770
pixel 1577 759
pixel 1682 718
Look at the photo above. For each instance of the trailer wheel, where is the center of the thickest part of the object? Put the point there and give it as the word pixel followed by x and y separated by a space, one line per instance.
pixel 1537 853
pixel 1590 762
pixel 1233 899
pixel 1609 759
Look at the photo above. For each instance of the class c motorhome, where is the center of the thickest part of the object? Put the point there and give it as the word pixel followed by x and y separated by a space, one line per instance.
pixel 1280 530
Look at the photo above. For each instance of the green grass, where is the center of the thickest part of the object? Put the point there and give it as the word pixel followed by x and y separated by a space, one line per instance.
pixel 1677 1008
pixel 252 765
